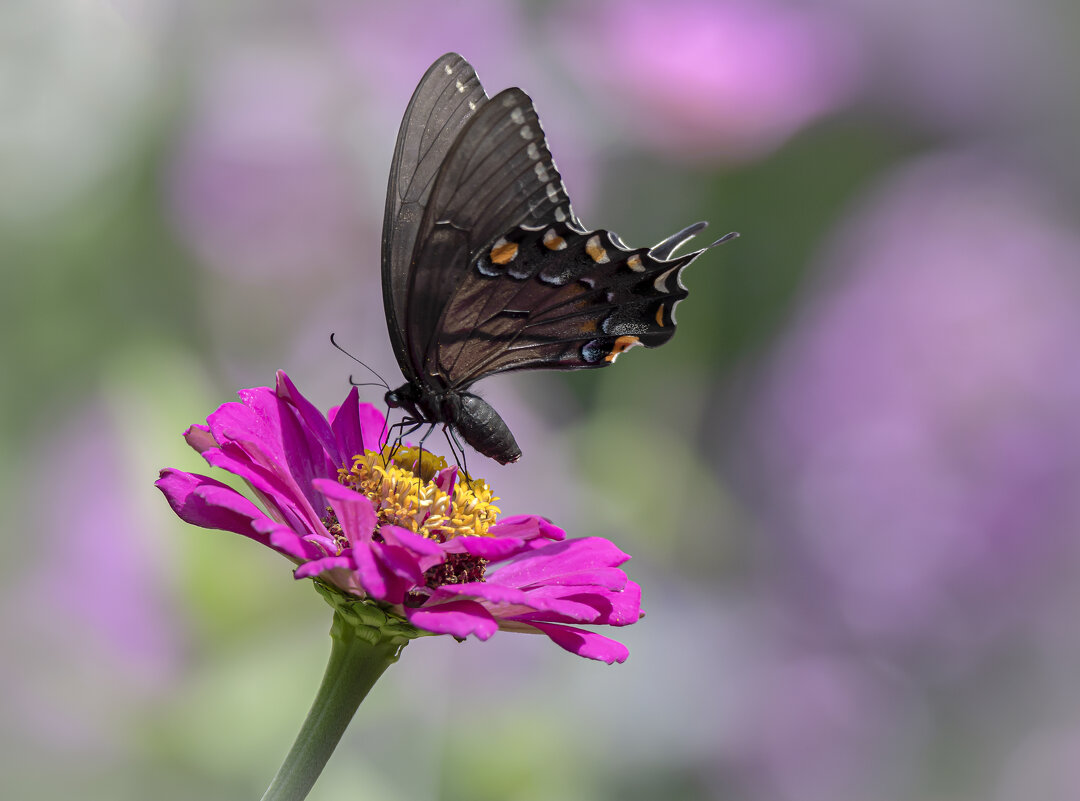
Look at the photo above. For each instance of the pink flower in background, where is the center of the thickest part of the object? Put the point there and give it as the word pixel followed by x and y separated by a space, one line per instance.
pixel 919 430
pixel 821 726
pixel 948 65
pixel 732 79
pixel 415 539
pixel 109 623
pixel 262 181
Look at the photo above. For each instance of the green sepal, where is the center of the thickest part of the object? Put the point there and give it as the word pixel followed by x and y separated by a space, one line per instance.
pixel 369 620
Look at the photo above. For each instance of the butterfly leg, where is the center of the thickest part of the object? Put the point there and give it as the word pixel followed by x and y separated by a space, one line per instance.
pixel 385 426
pixel 402 433
pixel 397 441
pixel 452 440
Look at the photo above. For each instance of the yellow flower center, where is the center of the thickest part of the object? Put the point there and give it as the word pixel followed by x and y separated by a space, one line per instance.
pixel 402 489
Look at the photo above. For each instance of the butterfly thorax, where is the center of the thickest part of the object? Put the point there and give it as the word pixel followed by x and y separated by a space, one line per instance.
pixel 468 414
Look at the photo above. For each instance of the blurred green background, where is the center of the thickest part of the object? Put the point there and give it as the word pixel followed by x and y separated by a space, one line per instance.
pixel 850 483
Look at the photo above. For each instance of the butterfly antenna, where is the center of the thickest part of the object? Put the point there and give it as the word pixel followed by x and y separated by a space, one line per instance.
pixel 382 381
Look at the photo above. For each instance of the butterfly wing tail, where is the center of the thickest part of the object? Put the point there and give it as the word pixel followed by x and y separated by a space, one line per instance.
pixel 663 250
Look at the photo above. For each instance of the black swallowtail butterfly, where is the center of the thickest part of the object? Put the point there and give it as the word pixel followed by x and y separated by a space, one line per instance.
pixel 485 268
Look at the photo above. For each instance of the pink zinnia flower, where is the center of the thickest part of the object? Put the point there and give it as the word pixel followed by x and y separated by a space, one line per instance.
pixel 403 534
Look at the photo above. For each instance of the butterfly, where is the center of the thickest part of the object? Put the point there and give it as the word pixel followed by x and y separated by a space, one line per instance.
pixel 485 267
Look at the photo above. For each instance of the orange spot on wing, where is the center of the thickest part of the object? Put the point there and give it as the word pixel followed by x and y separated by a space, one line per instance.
pixel 501 254
pixel 621 344
pixel 596 250
pixel 552 241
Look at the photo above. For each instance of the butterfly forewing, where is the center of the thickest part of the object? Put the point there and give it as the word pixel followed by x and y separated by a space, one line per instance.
pixel 499 175
pixel 447 96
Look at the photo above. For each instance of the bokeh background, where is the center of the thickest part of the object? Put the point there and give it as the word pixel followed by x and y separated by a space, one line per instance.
pixel 851 484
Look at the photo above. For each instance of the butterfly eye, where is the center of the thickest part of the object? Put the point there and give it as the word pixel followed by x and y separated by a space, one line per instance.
pixel 392 399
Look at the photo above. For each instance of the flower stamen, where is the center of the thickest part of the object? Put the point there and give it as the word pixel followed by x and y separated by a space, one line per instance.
pixel 404 487
pixel 334 529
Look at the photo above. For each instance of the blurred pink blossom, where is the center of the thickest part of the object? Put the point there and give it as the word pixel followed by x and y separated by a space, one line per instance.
pixel 731 80
pixel 90 629
pixel 261 182
pixel 919 429
pixel 823 726
pixel 961 65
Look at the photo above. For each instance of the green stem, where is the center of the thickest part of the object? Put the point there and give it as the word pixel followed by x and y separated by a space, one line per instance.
pixel 356 663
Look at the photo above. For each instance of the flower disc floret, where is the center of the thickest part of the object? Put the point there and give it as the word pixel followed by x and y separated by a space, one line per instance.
pixel 409 489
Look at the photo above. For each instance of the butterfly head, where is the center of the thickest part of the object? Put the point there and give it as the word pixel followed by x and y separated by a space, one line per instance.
pixel 408 398
pixel 419 404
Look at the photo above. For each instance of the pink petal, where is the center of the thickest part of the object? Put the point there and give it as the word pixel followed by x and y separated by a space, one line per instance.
pixel 609 608
pixel 354 511
pixel 527 526
pixel 358 520
pixel 494 549
pixel 625 606
pixel 457 618
pixel 554 602
pixel 199 437
pixel 204 502
pixel 514 604
pixel 492 593
pixel 546 564
pixel 608 578
pixel 269 430
pixel 427 553
pixel 446 479
pixel 318 429
pixel 318 566
pixel 247 438
pixel 359 426
pixel 283 496
pixel 350 429
pixel 254 420
pixel 611 579
pixel 585 643
pixel 286 540
pixel 402 563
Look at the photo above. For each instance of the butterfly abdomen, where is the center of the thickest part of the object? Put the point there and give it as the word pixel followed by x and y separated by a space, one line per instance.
pixel 481 427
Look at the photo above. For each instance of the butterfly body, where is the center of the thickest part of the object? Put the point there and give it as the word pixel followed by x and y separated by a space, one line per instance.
pixel 470 415
pixel 486 268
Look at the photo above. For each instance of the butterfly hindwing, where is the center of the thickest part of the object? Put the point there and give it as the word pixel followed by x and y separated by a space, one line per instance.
pixel 567 299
